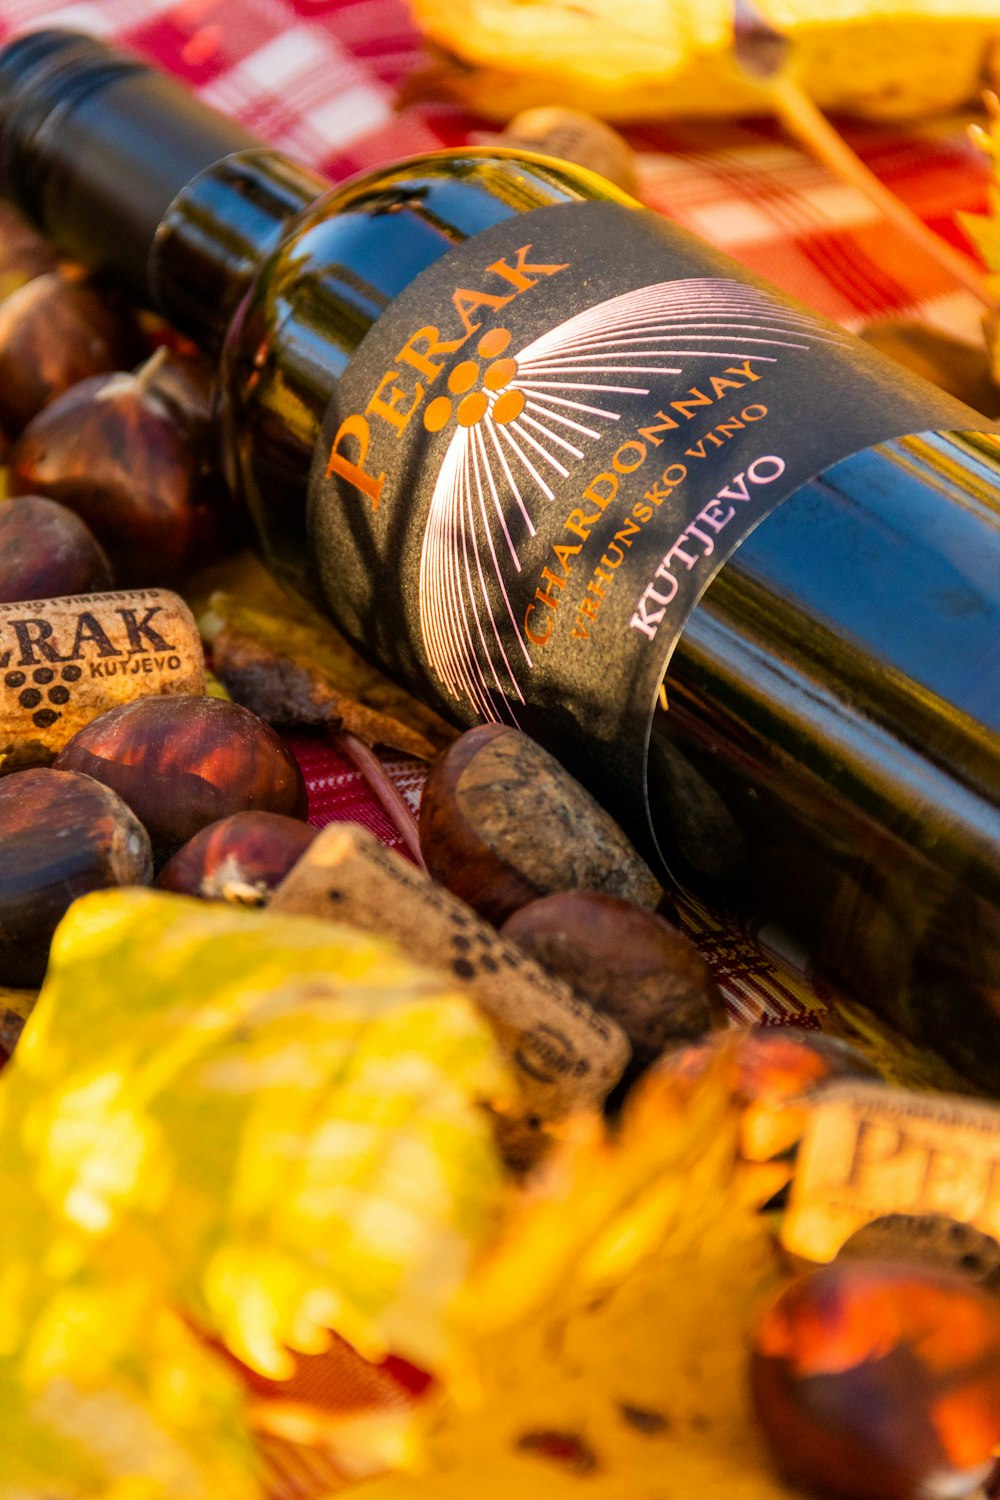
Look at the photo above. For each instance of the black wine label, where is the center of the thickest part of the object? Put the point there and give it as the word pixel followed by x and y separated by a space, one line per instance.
pixel 546 448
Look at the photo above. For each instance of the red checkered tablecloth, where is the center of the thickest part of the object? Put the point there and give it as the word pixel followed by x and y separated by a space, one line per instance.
pixel 322 79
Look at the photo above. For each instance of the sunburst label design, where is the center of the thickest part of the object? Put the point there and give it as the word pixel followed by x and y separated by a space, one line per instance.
pixel 531 417
pixel 543 453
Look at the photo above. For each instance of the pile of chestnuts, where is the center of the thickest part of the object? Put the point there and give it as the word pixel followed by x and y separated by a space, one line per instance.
pixel 122 797
pixel 112 484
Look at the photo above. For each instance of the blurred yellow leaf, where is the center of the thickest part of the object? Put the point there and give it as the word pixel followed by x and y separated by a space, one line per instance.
pixel 604 1337
pixel 654 58
pixel 259 1127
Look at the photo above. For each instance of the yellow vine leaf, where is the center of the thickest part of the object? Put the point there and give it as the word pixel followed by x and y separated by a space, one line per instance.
pixel 252 1126
pixel 885 59
pixel 604 1337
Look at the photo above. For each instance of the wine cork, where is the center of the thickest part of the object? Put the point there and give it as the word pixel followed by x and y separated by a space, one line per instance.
pixel 870 1152
pixel 571 135
pixel 565 1055
pixel 65 661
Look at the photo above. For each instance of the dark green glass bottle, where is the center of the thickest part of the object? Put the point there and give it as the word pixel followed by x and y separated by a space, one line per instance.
pixel 548 460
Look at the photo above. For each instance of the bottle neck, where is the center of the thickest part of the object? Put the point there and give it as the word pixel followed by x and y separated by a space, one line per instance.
pixel 215 234
pixel 124 170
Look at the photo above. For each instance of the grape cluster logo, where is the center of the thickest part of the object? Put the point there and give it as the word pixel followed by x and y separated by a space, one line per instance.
pixel 496 396
pixel 40 694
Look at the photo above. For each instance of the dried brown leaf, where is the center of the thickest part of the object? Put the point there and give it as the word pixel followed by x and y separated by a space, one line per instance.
pixel 290 665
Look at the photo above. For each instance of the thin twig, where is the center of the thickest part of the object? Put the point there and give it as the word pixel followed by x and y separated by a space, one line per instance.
pixel 807 123
pixel 763 51
pixel 385 790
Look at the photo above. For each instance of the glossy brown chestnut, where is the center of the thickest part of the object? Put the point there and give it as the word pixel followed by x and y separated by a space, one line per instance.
pixel 929 1239
pixel 46 552
pixel 115 450
pixel 54 331
pixel 774 1063
pixel 61 835
pixel 880 1381
pixel 772 1071
pixel 184 762
pixel 187 383
pixel 625 961
pixel 24 254
pixel 502 822
pixel 242 858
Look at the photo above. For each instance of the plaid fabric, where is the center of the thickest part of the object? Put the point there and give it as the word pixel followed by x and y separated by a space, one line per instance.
pixel 320 78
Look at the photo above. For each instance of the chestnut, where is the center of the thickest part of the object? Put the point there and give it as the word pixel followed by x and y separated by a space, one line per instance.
pixel 242 858
pixel 187 383
pixel 774 1064
pixel 24 254
pixel 930 1239
pixel 15 1009
pixel 116 450
pixel 625 961
pixel 573 135
pixel 46 552
pixel 61 835
pixel 184 762
pixel 502 822
pixel 880 1380
pixel 56 330
pixel 774 1070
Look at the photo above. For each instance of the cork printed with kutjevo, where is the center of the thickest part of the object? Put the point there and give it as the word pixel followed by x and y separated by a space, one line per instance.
pixel 65 661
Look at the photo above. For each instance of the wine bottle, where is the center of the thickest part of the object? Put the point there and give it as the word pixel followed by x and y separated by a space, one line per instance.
pixel 553 462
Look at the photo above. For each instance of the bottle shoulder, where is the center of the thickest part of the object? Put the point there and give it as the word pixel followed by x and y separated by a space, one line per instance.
pixel 367 239
pixel 465 179
pixel 339 264
pixel 342 260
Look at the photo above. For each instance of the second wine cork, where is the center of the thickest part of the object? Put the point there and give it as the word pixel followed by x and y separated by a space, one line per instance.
pixel 65 661
pixel 574 136
pixel 565 1055
pixel 870 1152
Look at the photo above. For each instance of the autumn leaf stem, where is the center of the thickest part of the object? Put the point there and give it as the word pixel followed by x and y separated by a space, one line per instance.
pixel 806 122
pixel 383 788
